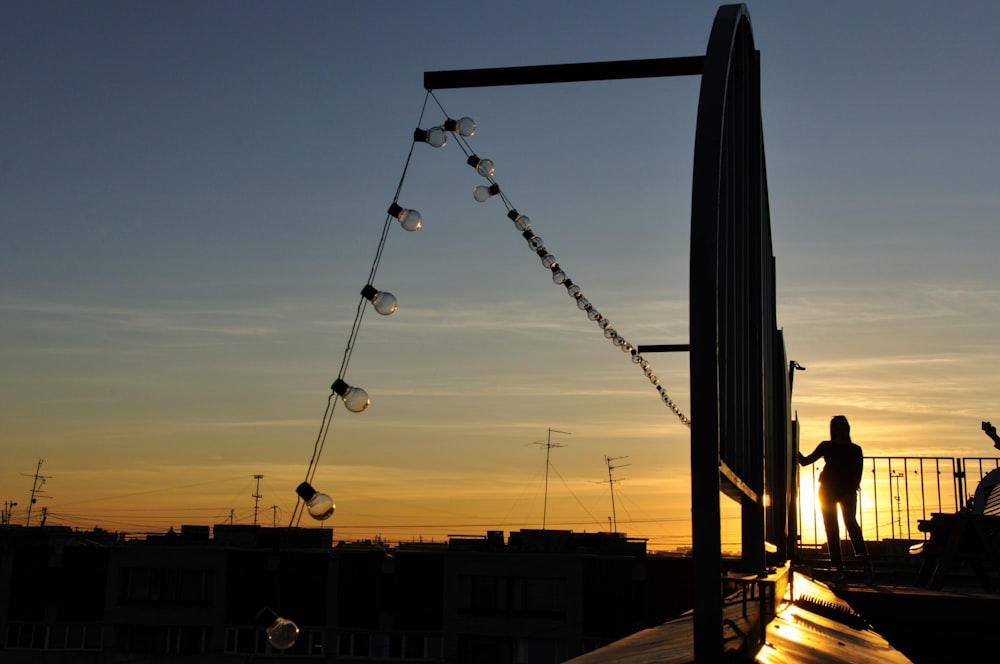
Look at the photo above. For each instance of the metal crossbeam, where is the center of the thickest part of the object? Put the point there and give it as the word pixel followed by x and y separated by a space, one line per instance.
pixel 565 73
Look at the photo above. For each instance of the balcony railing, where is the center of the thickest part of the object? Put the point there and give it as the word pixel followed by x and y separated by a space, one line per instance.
pixel 896 493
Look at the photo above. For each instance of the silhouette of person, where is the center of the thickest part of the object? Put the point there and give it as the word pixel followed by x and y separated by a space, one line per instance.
pixel 838 485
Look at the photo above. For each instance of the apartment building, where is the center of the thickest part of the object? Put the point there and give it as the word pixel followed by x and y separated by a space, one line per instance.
pixel 534 596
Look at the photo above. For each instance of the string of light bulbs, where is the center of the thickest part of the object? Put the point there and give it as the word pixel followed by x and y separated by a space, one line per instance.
pixel 437 137
pixel 320 505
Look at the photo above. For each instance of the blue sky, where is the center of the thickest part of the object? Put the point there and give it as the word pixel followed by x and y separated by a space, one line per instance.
pixel 191 196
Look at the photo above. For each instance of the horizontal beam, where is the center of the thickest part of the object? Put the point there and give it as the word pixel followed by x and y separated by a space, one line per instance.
pixel 567 73
pixel 737 482
pixel 664 348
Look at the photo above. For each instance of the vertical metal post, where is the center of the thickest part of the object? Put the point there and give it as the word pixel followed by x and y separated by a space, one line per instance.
pixel 731 304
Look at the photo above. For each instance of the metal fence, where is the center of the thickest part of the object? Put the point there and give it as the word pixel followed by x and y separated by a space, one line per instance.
pixel 896 493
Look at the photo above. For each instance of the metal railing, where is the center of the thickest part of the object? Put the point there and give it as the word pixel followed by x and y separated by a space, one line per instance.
pixel 896 493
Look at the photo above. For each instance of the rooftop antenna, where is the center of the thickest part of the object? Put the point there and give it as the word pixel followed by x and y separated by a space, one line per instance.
pixel 8 509
pixel 611 485
pixel 548 447
pixel 256 498
pixel 36 489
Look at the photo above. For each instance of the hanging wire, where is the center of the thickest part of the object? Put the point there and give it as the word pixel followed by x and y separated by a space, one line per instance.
pixel 574 290
pixel 331 402
pixel 534 242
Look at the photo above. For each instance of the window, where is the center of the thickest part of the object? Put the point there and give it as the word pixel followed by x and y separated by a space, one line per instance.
pixel 309 644
pixel 477 649
pixel 545 595
pixel 392 647
pixel 413 646
pixel 188 640
pixel 165 639
pixel 58 636
pixel 242 640
pixel 395 646
pixel 166 585
pixel 501 595
pixel 406 647
pixel 354 644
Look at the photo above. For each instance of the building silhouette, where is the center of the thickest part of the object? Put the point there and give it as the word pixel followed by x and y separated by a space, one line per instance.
pixel 534 596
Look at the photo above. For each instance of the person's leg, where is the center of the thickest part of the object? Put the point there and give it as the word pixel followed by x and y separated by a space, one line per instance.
pixel 849 507
pixel 828 507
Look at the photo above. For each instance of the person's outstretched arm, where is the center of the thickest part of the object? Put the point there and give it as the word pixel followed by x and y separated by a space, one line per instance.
pixel 816 453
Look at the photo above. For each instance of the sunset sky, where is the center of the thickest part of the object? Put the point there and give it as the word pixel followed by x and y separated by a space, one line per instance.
pixel 192 195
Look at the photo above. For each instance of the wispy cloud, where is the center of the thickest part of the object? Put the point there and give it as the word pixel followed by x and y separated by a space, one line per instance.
pixel 162 322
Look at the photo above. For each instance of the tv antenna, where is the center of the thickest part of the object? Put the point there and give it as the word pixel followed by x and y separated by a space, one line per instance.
pixel 548 448
pixel 36 490
pixel 611 486
pixel 8 510
pixel 256 498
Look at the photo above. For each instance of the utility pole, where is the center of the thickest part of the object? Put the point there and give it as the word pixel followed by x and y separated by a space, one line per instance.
pixel 256 498
pixel 611 485
pixel 548 447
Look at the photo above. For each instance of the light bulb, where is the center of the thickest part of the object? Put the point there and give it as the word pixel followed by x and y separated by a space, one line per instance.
pixel 319 505
pixel 482 193
pixel 409 219
pixel 558 276
pixel 637 359
pixel 281 632
pixel 484 167
pixel 434 137
pixel 594 315
pixel 384 303
pixel 549 261
pixel 355 398
pixel 521 222
pixel 463 126
pixel 583 303
pixel 534 242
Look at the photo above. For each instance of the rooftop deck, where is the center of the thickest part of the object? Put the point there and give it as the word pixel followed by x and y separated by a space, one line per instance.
pixel 811 623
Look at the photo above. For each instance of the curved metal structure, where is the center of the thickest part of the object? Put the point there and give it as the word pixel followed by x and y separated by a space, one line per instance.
pixel 739 396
